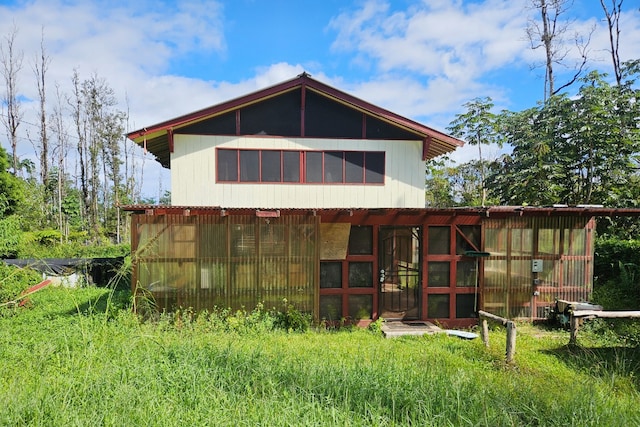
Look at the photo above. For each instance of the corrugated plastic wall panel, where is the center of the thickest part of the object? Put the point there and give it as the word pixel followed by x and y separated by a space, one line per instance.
pixel 236 262
pixel 564 245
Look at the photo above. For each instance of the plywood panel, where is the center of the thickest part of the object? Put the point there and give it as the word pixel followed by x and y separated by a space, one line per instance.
pixel 334 240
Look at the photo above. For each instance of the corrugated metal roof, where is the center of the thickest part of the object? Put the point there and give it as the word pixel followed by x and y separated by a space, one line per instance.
pixel 490 211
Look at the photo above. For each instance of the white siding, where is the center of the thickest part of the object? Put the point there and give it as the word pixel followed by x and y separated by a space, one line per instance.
pixel 193 177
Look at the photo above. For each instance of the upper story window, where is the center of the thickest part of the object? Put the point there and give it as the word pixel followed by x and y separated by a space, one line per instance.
pixel 306 167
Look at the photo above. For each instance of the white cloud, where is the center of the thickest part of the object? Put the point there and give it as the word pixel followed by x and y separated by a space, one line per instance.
pixel 436 38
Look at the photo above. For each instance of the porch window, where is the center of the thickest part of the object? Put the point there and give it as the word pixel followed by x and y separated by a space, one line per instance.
pixel 438 274
pixel 438 306
pixel 271 166
pixel 465 306
pixel 249 166
pixel 360 275
pixel 374 167
pixel 360 306
pixel 331 307
pixel 330 275
pixel 361 240
pixel 354 167
pixel 333 166
pixel 466 273
pixel 467 238
pixel 439 240
pixel 313 167
pixel 291 166
pixel 227 165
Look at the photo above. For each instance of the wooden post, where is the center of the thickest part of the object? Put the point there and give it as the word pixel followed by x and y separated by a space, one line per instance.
pixel 485 332
pixel 575 324
pixel 511 341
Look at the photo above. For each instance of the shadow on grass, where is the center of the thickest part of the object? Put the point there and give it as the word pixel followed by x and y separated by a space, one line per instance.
pixel 606 363
pixel 103 303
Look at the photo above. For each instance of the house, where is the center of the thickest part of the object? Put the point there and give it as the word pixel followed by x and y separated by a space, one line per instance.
pixel 304 192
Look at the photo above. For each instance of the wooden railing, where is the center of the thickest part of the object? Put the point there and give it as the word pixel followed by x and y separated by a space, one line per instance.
pixel 577 316
pixel 511 332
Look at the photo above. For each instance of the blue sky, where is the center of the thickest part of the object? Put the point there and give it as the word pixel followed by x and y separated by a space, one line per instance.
pixel 421 59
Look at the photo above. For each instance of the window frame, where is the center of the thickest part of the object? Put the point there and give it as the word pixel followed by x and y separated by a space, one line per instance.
pixel 320 169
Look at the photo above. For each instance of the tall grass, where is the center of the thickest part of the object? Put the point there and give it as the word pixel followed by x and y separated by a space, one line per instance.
pixel 74 359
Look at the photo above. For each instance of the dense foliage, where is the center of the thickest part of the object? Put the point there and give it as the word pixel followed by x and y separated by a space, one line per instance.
pixel 580 149
pixel 617 274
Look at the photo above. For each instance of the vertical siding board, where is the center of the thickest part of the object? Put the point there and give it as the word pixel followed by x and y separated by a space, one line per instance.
pixel 196 185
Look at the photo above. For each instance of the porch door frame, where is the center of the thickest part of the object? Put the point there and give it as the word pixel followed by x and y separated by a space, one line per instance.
pixel 389 279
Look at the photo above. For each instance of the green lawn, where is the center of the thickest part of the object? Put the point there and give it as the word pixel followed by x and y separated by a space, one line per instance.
pixel 74 358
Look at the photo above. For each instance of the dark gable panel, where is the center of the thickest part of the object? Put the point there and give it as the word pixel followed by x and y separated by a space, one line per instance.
pixel 378 129
pixel 279 116
pixel 326 118
pixel 224 124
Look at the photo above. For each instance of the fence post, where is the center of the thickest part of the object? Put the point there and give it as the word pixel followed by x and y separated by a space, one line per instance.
pixel 485 332
pixel 511 341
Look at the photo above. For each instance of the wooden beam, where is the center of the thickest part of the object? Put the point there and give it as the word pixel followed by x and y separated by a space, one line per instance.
pixel 489 316
pixel 577 317
pixel 606 314
pixel 303 103
pixel 170 137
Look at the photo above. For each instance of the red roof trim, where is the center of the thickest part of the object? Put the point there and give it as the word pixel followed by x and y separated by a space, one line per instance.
pixel 487 212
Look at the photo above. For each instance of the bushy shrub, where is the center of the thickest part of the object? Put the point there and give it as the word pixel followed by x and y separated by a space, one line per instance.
pixel 259 320
pixel 611 255
pixel 45 245
pixel 14 280
pixel 290 318
pixel 617 287
pixel 10 233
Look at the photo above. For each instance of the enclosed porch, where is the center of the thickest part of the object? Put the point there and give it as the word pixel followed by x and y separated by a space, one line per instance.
pixel 355 266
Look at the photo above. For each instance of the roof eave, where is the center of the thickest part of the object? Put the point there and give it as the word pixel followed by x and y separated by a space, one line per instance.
pixel 441 143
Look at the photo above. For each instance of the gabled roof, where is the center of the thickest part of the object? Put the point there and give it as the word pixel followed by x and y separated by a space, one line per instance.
pixel 158 138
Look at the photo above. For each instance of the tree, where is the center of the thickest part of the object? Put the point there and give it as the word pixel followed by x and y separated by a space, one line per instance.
pixel 10 66
pixel 438 187
pixel 60 150
pixel 450 185
pixel 613 25
pixel 99 127
pixel 10 187
pixel 40 67
pixel 549 33
pixel 573 150
pixel 478 126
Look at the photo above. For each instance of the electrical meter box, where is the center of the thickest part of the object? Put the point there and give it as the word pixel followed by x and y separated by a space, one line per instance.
pixel 536 266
